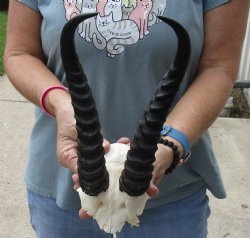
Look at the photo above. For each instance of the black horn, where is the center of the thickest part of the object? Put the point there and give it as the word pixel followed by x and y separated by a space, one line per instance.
pixel 137 174
pixel 93 175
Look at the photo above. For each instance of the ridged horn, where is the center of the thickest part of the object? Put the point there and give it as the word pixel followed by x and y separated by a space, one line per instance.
pixel 93 175
pixel 137 174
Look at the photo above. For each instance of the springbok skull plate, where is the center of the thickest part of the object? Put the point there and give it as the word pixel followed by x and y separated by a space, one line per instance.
pixel 113 208
pixel 111 192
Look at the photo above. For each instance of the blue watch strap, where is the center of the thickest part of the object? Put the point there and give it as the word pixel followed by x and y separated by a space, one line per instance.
pixel 177 135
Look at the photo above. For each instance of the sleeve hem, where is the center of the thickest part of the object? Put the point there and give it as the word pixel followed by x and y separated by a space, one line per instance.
pixel 208 5
pixel 31 4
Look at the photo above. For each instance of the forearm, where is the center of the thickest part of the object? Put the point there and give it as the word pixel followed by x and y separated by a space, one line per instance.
pixel 28 74
pixel 31 77
pixel 23 59
pixel 224 33
pixel 202 103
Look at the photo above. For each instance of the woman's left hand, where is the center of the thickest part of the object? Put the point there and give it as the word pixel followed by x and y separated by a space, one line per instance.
pixel 163 159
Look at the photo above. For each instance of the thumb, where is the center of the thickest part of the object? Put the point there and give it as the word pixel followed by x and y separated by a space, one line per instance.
pixel 124 140
pixel 152 190
pixel 106 145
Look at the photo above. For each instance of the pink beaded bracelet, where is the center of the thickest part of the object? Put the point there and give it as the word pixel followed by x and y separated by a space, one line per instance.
pixel 45 93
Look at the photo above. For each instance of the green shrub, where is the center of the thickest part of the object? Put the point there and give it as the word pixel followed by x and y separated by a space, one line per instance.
pixel 3 23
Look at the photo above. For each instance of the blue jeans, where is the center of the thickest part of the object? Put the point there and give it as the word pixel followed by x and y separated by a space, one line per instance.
pixel 186 218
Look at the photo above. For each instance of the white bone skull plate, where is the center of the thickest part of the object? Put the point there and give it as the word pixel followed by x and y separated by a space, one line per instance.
pixel 113 208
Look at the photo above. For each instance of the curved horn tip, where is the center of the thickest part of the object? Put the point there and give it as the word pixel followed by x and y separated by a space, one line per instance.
pixel 87 15
pixel 162 18
pixel 169 20
pixel 92 14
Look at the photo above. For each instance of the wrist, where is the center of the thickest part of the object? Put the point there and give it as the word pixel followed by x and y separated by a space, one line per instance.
pixel 164 157
pixel 56 100
pixel 179 138
pixel 59 102
pixel 176 159
pixel 177 143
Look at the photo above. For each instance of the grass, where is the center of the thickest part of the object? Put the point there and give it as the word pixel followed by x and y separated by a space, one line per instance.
pixel 3 23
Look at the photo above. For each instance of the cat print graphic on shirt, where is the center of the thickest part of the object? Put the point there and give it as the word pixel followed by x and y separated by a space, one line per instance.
pixel 100 7
pixel 157 10
pixel 126 10
pixel 87 28
pixel 114 6
pixel 140 15
pixel 71 9
pixel 119 23
pixel 117 33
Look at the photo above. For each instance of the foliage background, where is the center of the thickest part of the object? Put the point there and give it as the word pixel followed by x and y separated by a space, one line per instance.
pixel 3 23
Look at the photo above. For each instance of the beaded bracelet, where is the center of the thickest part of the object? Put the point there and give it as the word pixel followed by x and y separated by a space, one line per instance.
pixel 177 135
pixel 45 93
pixel 175 151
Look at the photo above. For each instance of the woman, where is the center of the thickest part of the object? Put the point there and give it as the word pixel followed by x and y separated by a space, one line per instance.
pixel 123 78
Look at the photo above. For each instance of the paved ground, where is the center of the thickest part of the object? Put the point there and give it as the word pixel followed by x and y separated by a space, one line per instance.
pixel 230 217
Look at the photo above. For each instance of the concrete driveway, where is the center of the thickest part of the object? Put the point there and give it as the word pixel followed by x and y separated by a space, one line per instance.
pixel 230 217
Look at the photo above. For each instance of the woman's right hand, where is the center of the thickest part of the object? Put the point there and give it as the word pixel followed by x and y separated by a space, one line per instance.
pixel 58 104
pixel 67 139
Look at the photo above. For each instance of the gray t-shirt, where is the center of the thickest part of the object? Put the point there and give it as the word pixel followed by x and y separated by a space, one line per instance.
pixel 124 61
